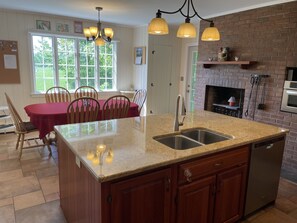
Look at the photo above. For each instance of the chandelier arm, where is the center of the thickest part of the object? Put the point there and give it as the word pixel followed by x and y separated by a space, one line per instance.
pixel 196 13
pixel 179 10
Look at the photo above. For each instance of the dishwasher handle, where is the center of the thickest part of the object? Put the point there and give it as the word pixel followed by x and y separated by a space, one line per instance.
pixel 269 146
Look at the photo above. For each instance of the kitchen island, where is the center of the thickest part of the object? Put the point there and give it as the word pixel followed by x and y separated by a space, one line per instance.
pixel 114 171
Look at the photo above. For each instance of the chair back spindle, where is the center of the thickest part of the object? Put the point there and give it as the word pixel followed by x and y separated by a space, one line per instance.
pixel 139 99
pixel 116 107
pixel 86 91
pixel 84 109
pixel 57 94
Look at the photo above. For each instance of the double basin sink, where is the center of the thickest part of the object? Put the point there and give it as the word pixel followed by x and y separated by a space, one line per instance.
pixel 191 138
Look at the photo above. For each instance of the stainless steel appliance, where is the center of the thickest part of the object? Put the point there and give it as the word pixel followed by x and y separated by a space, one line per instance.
pixel 289 100
pixel 264 174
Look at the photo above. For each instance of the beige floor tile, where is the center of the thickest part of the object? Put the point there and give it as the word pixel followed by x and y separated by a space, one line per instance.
pixel 52 197
pixel 4 156
pixel 293 214
pixel 274 216
pixel 28 200
pixel 6 201
pixel 10 164
pixel 18 186
pixel 7 214
pixel 285 205
pixel 49 185
pixel 45 213
pixel 37 164
pixel 11 175
pixel 47 172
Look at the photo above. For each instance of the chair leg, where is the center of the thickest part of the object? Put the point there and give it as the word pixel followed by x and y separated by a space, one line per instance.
pixel 21 146
pixel 47 143
pixel 18 141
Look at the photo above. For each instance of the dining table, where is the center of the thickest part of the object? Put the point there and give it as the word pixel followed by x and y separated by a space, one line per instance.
pixel 44 116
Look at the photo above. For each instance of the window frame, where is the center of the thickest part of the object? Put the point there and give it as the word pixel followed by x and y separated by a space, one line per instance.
pixel 76 38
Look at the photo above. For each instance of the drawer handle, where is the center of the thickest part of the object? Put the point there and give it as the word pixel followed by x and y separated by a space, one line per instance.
pixel 188 175
pixel 269 146
pixel 217 164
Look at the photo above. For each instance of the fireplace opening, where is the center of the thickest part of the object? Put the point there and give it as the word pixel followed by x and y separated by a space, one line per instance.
pixel 224 100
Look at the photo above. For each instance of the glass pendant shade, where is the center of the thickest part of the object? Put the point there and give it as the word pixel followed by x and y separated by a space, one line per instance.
pixel 100 42
pixel 87 32
pixel 158 26
pixel 93 30
pixel 186 30
pixel 210 34
pixel 108 32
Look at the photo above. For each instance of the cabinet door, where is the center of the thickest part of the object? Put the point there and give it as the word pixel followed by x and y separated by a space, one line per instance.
pixel 196 200
pixel 230 195
pixel 144 199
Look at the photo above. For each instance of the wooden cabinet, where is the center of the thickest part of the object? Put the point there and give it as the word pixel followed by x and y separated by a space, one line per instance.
pixel 212 189
pixel 144 198
pixel 196 200
pixel 204 190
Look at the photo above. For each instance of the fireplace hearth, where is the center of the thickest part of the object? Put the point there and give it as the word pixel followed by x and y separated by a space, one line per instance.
pixel 216 100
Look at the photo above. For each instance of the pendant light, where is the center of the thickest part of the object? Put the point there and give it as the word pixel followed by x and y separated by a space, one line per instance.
pixel 97 34
pixel 159 26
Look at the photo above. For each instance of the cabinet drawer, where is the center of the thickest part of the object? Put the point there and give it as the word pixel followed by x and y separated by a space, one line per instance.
pixel 190 171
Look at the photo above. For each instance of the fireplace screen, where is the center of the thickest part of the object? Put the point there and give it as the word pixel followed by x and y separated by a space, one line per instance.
pixel 224 100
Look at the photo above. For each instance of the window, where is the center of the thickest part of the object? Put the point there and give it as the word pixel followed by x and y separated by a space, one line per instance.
pixel 71 62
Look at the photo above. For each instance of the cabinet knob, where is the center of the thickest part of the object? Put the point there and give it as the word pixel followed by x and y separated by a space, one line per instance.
pixel 269 146
pixel 188 175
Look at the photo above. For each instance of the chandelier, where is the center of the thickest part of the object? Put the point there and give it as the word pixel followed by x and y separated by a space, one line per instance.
pixel 97 34
pixel 159 26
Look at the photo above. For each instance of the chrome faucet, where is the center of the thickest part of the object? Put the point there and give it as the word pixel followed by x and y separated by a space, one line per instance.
pixel 177 123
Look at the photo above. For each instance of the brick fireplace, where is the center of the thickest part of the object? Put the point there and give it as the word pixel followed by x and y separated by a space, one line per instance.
pixel 216 100
pixel 266 35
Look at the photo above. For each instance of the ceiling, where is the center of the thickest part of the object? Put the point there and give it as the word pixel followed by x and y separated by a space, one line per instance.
pixel 133 12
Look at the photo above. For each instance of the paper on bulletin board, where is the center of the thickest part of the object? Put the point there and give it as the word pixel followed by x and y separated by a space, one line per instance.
pixel 10 61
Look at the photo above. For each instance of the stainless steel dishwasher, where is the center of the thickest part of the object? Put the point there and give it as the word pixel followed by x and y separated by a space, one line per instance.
pixel 264 173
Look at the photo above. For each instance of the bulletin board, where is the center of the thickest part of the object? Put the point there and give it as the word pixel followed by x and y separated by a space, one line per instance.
pixel 9 62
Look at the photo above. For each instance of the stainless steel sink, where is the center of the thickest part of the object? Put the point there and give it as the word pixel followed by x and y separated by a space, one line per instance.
pixel 191 138
pixel 204 136
pixel 177 141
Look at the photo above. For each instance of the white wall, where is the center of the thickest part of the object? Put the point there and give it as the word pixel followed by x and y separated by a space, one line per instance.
pixel 140 38
pixel 15 25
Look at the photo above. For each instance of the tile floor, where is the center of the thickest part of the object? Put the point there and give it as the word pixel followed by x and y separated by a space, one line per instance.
pixel 29 189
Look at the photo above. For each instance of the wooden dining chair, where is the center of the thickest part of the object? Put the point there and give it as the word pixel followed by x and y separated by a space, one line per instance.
pixel 84 109
pixel 116 107
pixel 57 94
pixel 22 128
pixel 86 91
pixel 139 98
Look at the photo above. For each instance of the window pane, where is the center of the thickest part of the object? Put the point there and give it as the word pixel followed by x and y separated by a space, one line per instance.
pixel 79 62
pixel 107 68
pixel 43 62
pixel 66 62
pixel 87 67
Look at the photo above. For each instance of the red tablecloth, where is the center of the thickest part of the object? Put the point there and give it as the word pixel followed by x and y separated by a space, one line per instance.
pixel 46 115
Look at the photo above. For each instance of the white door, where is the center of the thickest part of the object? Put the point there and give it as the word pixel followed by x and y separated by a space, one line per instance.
pixel 159 85
pixel 191 77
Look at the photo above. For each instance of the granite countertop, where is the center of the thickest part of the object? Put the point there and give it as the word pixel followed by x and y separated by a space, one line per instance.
pixel 131 149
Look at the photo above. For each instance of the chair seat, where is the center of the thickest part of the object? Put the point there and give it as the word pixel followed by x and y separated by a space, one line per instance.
pixel 28 126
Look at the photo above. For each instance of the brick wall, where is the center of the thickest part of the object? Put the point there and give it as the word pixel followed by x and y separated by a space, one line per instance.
pixel 267 35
